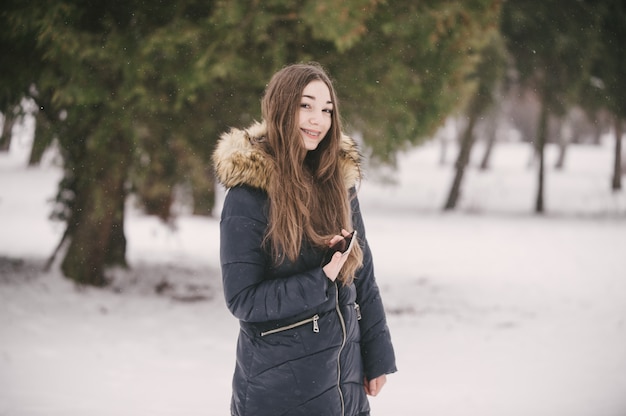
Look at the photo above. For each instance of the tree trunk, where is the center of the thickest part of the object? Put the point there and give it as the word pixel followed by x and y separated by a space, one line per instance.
pixel 542 132
pixel 7 127
pixel 563 139
pixel 467 141
pixel 96 237
pixel 616 183
pixel 42 139
pixel 116 249
pixel 492 129
pixel 204 196
pixel 597 133
pixel 560 161
pixel 443 150
pixel 157 198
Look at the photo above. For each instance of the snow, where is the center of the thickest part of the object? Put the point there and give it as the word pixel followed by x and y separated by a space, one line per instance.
pixel 494 311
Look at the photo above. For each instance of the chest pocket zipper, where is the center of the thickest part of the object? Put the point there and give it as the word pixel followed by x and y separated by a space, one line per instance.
pixel 312 319
pixel 357 308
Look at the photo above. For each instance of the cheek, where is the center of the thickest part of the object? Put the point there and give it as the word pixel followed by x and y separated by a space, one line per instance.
pixel 329 123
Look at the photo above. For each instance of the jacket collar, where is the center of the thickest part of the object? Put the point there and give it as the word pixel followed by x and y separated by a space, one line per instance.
pixel 238 162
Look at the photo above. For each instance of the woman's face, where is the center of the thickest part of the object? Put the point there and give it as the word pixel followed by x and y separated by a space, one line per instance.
pixel 315 115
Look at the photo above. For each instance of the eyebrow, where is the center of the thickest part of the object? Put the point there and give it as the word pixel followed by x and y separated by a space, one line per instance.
pixel 313 98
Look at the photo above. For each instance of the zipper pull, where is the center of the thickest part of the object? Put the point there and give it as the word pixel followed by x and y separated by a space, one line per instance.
pixel 357 308
pixel 316 327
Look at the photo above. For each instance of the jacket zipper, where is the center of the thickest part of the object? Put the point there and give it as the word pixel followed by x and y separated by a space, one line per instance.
pixel 313 319
pixel 343 343
pixel 357 308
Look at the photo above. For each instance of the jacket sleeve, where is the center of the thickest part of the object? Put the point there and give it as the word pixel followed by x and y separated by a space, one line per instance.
pixel 249 294
pixel 376 347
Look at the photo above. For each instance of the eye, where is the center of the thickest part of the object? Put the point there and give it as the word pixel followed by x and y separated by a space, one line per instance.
pixel 305 105
pixel 328 110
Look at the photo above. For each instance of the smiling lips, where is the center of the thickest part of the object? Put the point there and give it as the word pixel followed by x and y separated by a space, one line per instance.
pixel 314 134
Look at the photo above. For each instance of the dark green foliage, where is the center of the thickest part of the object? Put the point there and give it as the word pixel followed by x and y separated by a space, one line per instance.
pixel 611 72
pixel 487 76
pixel 553 47
pixel 136 93
pixel 610 61
pixel 412 69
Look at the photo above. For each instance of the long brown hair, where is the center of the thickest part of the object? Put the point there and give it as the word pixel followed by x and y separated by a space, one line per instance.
pixel 309 200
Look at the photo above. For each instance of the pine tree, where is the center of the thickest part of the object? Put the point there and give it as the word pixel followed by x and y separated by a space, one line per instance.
pixel 552 47
pixel 607 86
pixel 136 93
pixel 488 74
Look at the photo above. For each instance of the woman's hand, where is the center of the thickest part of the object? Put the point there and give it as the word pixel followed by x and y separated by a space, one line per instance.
pixel 373 387
pixel 333 268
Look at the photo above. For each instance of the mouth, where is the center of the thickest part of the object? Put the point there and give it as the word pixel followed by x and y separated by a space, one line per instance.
pixel 312 133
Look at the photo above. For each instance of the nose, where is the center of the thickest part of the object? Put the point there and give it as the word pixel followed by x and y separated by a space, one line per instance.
pixel 315 118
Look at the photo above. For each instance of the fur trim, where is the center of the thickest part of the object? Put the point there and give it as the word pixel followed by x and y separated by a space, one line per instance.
pixel 238 162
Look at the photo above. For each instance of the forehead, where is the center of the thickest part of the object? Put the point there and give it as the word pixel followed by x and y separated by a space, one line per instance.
pixel 318 91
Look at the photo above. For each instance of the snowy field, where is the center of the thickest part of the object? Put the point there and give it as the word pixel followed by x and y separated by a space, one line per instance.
pixel 493 311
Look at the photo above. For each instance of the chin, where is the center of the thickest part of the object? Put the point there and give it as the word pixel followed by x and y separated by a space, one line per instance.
pixel 310 145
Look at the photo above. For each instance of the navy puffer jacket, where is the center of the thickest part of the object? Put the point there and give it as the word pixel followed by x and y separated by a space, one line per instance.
pixel 306 343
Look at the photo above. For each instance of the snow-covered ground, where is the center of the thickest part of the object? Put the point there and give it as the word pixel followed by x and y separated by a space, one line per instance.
pixel 493 311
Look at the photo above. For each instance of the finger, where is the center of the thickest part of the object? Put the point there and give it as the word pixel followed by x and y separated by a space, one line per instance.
pixel 334 240
pixel 379 382
pixel 370 387
pixel 373 388
pixel 379 385
pixel 345 232
pixel 366 385
pixel 338 257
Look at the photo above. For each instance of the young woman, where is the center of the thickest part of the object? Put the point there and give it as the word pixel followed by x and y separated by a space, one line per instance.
pixel 314 338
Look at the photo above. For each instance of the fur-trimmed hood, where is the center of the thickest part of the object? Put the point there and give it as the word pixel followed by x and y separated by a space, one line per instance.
pixel 238 162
